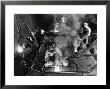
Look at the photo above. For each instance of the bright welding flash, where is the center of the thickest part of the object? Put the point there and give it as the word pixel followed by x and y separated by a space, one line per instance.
pixel 57 69
pixel 20 49
pixel 42 31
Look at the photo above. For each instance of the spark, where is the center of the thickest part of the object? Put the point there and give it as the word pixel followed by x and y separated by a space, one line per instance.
pixel 42 31
pixel 20 48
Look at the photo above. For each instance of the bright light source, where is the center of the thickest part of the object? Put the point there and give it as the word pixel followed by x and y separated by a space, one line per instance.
pixel 56 27
pixel 57 69
pixel 20 49
pixel 42 31
pixel 56 30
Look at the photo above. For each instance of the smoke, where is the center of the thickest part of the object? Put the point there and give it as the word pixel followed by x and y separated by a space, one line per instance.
pixel 74 22
pixel 77 21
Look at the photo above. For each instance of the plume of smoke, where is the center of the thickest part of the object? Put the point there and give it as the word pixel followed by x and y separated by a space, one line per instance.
pixel 74 21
